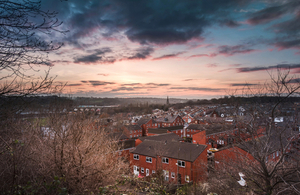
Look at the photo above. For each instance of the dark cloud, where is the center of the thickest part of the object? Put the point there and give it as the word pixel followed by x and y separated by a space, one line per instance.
pixel 198 89
pixel 229 50
pixel 97 56
pixel 229 23
pixel 131 84
pixel 232 50
pixel 242 84
pixel 143 21
pixel 280 66
pixel 189 79
pixel 98 83
pixel 273 12
pixel 74 85
pixel 127 89
pixel 199 55
pixel 296 80
pixel 289 27
pixel 288 43
pixel 141 53
pixel 158 84
pixel 168 56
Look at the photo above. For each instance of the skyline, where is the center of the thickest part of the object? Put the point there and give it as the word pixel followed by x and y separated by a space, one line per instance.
pixel 181 49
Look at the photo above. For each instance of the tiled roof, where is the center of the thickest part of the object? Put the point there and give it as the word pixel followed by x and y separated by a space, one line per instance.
pixel 163 137
pixel 196 127
pixel 157 131
pixel 133 127
pixel 143 121
pixel 176 150
pixel 217 128
pixel 167 119
pixel 173 128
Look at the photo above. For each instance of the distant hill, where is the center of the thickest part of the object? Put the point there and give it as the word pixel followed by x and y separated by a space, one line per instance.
pixel 125 101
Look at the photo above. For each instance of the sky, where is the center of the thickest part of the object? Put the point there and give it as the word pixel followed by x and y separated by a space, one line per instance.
pixel 177 48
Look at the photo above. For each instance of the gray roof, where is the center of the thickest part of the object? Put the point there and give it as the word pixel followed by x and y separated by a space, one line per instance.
pixel 167 119
pixel 196 126
pixel 217 128
pixel 157 131
pixel 163 137
pixel 162 130
pixel 133 127
pixel 176 150
pixel 173 128
pixel 143 121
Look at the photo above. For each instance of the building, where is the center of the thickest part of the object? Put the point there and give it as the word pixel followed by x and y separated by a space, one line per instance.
pixel 180 162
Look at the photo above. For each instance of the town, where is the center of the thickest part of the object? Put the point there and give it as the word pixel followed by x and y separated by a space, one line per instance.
pixel 189 143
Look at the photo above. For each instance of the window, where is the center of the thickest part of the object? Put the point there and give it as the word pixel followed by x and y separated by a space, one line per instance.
pixel 153 171
pixel 188 135
pixel 187 178
pixel 149 159
pixel 142 170
pixel 274 155
pixel 181 163
pixel 166 175
pixel 147 172
pixel 136 157
pixel 188 130
pixel 130 136
pixel 136 170
pixel 277 153
pixel 173 175
pixel 130 131
pixel 165 160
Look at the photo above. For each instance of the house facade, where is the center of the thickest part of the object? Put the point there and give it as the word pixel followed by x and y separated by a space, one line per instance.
pixel 180 162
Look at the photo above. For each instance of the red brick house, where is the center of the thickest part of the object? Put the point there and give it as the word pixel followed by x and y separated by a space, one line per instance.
pixel 167 137
pixel 180 161
pixel 145 124
pixel 178 130
pixel 187 118
pixel 193 129
pixel 169 121
pixel 132 131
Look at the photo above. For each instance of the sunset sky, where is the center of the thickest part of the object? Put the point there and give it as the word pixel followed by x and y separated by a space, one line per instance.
pixel 181 49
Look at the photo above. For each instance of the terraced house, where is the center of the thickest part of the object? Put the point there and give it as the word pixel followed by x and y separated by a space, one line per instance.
pixel 180 162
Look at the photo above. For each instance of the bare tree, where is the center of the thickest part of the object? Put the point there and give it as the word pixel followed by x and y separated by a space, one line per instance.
pixel 269 156
pixel 65 146
pixel 24 46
